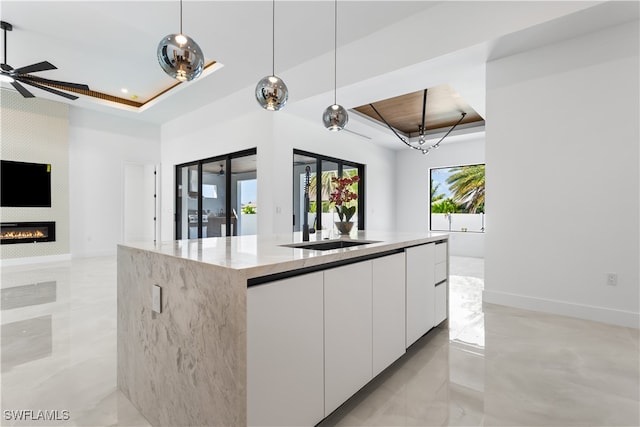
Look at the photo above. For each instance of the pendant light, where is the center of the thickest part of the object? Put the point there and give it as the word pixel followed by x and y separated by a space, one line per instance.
pixel 335 117
pixel 271 92
pixel 180 56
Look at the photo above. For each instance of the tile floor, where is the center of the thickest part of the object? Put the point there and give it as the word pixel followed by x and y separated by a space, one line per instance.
pixel 494 366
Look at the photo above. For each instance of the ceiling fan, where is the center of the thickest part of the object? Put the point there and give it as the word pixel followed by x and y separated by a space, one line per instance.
pixel 15 76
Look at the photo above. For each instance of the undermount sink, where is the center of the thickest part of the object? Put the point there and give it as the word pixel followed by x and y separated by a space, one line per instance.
pixel 329 244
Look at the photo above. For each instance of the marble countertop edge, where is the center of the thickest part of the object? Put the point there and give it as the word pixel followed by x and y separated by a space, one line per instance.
pixel 260 255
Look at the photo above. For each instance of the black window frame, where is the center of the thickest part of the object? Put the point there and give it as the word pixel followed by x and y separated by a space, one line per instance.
pixel 226 158
pixel 341 163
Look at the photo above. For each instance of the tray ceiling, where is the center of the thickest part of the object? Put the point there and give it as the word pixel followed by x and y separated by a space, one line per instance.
pixel 404 112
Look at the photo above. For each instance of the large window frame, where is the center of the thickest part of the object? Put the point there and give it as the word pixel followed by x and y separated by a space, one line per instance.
pixel 226 160
pixel 450 204
pixel 321 159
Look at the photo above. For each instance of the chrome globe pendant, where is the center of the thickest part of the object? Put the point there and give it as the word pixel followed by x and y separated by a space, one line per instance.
pixel 271 91
pixel 335 116
pixel 180 56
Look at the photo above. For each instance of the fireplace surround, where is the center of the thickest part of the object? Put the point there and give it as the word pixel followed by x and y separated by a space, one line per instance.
pixel 27 232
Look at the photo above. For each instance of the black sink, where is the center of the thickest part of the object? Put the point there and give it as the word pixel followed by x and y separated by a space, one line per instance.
pixel 329 244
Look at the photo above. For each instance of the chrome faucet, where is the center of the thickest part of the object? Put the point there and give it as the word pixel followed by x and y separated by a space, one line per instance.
pixel 305 216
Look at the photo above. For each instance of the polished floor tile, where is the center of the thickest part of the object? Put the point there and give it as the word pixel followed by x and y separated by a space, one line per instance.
pixel 59 346
pixel 493 366
pixel 26 295
pixel 499 366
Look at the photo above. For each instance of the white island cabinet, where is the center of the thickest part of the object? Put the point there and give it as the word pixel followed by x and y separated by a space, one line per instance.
pixel 314 340
pixel 441 310
pixel 420 291
pixel 270 330
pixel 348 332
pixel 388 289
pixel 285 352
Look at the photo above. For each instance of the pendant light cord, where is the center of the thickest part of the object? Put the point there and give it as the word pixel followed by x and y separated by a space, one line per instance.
pixel 335 50
pixel 180 16
pixel 273 38
pixel 5 45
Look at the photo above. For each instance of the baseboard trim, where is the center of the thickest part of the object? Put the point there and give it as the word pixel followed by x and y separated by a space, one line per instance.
pixel 628 319
pixel 10 262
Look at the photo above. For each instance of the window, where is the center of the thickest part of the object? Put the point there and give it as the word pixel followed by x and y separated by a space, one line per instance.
pixel 217 196
pixel 321 212
pixel 457 198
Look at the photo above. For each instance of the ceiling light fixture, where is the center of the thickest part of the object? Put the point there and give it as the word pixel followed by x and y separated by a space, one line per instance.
pixel 271 92
pixel 180 56
pixel 335 117
pixel 422 139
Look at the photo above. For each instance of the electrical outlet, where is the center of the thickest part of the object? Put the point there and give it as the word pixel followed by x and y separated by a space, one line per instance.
pixel 156 299
pixel 612 279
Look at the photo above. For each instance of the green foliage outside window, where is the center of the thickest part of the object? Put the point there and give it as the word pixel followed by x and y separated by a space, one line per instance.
pixel 466 185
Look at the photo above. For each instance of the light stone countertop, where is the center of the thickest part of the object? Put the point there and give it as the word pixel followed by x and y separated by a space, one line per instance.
pixel 259 255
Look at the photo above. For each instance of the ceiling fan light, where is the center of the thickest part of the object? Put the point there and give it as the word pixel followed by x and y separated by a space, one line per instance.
pixel 272 93
pixel 182 61
pixel 6 78
pixel 335 117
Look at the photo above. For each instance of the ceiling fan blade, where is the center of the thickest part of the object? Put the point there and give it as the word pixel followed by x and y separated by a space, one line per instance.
pixel 6 67
pixel 57 82
pixel 34 68
pixel 23 91
pixel 48 89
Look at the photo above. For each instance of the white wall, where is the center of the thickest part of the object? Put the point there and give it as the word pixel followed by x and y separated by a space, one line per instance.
pixel 413 187
pixel 562 161
pixel 99 147
pixel 275 134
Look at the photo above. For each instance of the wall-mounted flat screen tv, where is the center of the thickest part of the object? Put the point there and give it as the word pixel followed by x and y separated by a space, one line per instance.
pixel 25 185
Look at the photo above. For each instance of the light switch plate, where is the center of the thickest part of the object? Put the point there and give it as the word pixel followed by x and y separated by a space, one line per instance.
pixel 156 299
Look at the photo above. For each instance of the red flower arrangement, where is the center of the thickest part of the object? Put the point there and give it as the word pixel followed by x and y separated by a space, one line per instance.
pixel 343 194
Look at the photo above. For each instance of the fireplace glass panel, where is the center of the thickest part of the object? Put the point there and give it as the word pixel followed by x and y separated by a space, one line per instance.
pixel 25 232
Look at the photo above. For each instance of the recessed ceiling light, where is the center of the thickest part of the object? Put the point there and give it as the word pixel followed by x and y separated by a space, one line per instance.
pixel 124 90
pixel 134 96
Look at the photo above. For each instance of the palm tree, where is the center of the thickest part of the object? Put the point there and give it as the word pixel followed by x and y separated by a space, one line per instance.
pixel 325 182
pixel 467 184
pixel 434 189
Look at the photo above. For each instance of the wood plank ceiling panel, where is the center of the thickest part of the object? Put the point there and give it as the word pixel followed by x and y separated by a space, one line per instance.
pixel 404 112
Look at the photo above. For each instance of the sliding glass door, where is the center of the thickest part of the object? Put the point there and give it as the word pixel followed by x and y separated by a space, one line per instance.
pixel 187 200
pixel 322 169
pixel 216 197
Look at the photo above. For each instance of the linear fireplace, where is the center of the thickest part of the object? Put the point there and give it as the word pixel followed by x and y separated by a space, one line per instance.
pixel 27 232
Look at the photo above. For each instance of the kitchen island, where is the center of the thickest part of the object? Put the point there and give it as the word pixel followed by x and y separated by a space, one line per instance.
pixel 258 330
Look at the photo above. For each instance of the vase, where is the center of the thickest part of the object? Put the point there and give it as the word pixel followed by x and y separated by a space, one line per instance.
pixel 344 227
